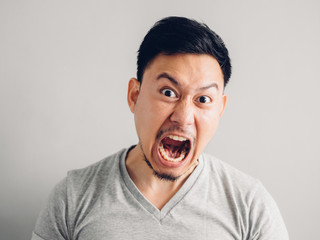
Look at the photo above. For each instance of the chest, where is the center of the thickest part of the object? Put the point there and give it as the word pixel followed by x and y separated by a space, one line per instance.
pixel 187 220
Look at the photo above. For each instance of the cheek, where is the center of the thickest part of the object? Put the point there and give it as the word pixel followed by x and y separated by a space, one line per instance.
pixel 149 117
pixel 207 125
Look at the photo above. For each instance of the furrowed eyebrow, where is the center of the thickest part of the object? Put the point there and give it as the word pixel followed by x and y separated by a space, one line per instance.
pixel 214 85
pixel 174 81
pixel 170 78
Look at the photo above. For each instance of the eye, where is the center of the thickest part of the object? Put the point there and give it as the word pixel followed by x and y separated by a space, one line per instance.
pixel 168 92
pixel 204 99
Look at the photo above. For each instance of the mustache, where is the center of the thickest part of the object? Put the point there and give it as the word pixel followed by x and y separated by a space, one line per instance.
pixel 176 129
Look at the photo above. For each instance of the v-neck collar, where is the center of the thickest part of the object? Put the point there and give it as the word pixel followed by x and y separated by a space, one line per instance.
pixel 159 214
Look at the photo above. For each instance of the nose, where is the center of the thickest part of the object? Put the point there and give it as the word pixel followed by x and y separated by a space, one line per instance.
pixel 183 113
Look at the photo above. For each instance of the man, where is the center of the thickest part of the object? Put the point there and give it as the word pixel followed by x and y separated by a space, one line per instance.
pixel 165 187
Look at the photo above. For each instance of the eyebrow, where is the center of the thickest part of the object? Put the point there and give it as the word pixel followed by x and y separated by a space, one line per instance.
pixel 214 85
pixel 167 76
pixel 174 81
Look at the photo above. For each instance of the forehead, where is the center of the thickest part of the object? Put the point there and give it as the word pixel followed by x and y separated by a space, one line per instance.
pixel 186 69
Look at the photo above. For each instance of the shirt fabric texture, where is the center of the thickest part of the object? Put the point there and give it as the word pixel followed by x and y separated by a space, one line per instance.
pixel 217 201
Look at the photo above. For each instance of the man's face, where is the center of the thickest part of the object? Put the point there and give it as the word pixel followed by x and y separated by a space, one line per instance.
pixel 177 110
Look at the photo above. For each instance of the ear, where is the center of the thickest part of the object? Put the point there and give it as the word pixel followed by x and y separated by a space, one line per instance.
pixel 133 93
pixel 223 104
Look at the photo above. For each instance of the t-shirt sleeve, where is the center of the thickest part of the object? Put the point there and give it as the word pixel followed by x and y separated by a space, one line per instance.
pixel 52 222
pixel 265 218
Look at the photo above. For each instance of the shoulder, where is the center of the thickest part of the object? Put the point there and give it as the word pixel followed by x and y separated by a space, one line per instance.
pixel 73 195
pixel 235 185
pixel 227 174
pixel 248 197
pixel 239 183
pixel 97 170
pixel 95 178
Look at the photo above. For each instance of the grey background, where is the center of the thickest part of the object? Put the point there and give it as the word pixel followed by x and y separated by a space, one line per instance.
pixel 64 68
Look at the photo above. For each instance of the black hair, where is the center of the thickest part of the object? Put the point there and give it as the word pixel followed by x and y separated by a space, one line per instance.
pixel 174 35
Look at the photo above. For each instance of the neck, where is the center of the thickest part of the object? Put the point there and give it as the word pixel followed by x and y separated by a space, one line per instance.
pixel 156 190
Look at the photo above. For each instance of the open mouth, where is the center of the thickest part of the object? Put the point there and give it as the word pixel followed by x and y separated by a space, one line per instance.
pixel 174 148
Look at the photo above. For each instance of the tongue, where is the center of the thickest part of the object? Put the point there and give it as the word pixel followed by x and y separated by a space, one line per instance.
pixel 173 146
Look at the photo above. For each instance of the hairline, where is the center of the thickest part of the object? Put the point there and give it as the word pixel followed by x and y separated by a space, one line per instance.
pixel 177 53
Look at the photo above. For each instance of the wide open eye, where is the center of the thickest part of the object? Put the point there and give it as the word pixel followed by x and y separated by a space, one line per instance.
pixel 168 92
pixel 204 99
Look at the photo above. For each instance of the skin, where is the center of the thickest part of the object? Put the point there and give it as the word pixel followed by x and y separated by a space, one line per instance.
pixel 183 95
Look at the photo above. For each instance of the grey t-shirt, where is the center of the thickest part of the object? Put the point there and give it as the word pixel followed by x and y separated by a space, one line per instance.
pixel 216 202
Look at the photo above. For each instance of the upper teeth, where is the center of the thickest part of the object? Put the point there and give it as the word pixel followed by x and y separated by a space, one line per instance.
pixel 177 138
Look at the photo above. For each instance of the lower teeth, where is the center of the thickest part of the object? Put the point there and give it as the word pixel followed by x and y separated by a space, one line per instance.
pixel 166 157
